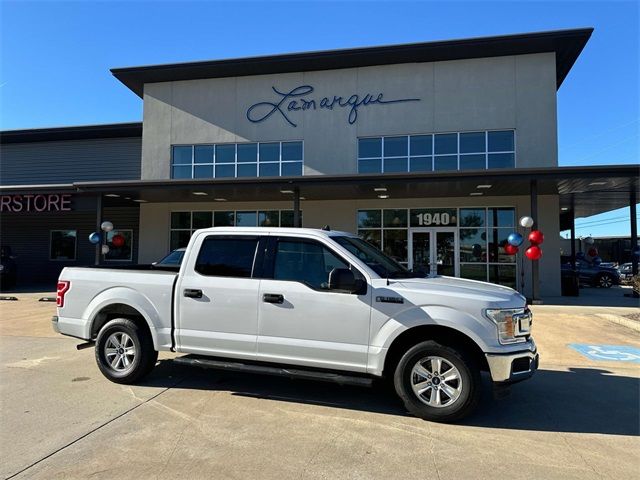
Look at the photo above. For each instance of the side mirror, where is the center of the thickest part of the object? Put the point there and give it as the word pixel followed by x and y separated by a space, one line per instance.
pixel 343 279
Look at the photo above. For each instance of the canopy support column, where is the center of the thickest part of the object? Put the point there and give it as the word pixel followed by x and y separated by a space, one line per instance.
pixel 634 229
pixel 535 264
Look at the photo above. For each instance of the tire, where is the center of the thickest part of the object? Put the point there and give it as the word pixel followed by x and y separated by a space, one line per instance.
pixel 115 339
pixel 604 280
pixel 457 398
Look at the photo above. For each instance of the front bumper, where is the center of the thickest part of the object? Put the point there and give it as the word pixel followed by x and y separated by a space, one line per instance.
pixel 512 367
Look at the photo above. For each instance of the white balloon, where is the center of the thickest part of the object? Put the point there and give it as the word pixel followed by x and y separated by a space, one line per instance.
pixel 589 241
pixel 106 226
pixel 105 249
pixel 526 222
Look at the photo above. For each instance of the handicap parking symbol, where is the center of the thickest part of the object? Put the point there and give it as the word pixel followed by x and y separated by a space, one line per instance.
pixel 616 353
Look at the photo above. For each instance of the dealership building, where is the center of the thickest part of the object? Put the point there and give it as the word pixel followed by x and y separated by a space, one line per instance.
pixel 431 151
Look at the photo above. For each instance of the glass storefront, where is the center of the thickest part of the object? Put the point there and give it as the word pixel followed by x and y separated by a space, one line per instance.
pixel 464 242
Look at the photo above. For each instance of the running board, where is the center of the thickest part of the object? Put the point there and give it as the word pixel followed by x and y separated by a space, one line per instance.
pixel 205 362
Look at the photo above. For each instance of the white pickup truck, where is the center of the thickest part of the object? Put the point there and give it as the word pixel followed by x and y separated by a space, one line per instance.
pixel 303 303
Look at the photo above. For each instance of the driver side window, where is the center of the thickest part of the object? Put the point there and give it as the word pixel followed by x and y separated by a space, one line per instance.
pixel 305 261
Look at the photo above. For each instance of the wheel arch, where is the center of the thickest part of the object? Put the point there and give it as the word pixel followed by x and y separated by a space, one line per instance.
pixel 444 335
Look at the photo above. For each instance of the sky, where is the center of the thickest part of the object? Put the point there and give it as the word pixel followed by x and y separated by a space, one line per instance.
pixel 56 56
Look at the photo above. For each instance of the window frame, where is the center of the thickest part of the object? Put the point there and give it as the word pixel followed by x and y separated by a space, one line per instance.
pixel 130 259
pixel 433 155
pixel 75 245
pixel 269 262
pixel 235 162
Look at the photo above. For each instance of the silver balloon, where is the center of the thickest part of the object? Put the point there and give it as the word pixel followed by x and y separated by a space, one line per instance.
pixel 106 226
pixel 589 241
pixel 526 222
pixel 105 249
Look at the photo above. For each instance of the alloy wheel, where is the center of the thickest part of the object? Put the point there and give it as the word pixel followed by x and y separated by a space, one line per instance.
pixel 436 381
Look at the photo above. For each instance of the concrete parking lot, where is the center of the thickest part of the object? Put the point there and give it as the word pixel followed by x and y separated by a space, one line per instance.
pixel 577 418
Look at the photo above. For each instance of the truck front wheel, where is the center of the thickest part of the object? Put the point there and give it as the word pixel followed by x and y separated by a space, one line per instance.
pixel 437 382
pixel 124 351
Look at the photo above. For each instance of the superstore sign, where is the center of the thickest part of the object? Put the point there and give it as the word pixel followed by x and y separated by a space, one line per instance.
pixel 36 203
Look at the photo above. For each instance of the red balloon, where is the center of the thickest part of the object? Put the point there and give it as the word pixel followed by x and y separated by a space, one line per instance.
pixel 510 249
pixel 536 237
pixel 592 252
pixel 117 240
pixel 533 252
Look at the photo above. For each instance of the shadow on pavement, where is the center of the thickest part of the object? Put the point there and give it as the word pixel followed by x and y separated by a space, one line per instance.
pixel 582 400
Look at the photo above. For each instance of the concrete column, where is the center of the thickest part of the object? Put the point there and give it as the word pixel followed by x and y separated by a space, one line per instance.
pixel 573 237
pixel 634 229
pixel 296 208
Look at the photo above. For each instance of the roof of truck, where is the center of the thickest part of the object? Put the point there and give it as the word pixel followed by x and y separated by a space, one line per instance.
pixel 278 230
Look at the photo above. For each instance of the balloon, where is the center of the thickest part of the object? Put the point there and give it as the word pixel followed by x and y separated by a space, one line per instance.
pixel 597 261
pixel 526 222
pixel 117 240
pixel 94 238
pixel 536 237
pixel 510 249
pixel 580 255
pixel 592 252
pixel 515 239
pixel 476 249
pixel 589 241
pixel 106 226
pixel 105 249
pixel 533 252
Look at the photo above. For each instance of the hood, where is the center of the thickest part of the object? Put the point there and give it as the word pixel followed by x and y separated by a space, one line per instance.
pixel 447 290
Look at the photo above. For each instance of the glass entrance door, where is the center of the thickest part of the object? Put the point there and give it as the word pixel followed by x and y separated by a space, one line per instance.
pixel 433 251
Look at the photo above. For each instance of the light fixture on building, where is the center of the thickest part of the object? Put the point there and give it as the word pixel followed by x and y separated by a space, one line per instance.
pixel 302 198
pixel 564 209
pixel 380 189
pixel 200 193
pixel 112 195
pixel 383 196
pixel 286 191
pixel 220 199
pixel 597 183
pixel 484 186
pixel 476 194
pixel 140 201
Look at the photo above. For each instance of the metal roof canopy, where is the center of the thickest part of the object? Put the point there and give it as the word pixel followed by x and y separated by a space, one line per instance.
pixel 584 190
pixel 566 44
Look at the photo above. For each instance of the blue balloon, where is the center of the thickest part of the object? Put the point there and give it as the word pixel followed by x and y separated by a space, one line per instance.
pixel 515 239
pixel 580 255
pixel 597 261
pixel 94 238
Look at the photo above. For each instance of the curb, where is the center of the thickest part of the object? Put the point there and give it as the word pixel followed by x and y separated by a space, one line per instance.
pixel 625 322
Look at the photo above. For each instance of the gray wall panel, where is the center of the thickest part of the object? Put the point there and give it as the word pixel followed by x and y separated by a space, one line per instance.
pixel 28 235
pixel 70 161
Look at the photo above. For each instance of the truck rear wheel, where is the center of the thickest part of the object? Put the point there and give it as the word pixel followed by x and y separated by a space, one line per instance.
pixel 124 352
pixel 437 382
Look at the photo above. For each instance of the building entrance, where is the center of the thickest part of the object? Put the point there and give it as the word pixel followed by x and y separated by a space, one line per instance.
pixel 434 251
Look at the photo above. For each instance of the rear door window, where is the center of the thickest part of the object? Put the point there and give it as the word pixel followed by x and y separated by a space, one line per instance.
pixel 230 256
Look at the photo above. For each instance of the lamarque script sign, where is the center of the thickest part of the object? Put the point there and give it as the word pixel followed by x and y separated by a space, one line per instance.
pixel 36 203
pixel 299 99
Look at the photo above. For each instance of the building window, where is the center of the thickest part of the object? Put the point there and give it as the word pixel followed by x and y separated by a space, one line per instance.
pixel 442 151
pixel 482 234
pixel 183 224
pixel 122 248
pixel 231 160
pixel 63 245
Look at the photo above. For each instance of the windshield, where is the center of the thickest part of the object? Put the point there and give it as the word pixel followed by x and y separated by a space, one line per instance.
pixel 174 258
pixel 378 261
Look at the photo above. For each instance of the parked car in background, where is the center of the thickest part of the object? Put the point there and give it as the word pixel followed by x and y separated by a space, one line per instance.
pixel 173 259
pixel 304 303
pixel 8 268
pixel 626 271
pixel 595 275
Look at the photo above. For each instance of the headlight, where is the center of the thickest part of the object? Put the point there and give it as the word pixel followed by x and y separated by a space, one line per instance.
pixel 514 324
